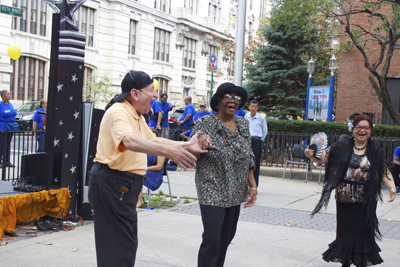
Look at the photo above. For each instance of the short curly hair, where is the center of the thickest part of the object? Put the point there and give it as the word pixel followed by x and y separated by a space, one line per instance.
pixel 362 117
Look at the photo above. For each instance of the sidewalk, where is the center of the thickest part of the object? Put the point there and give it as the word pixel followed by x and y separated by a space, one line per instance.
pixel 171 237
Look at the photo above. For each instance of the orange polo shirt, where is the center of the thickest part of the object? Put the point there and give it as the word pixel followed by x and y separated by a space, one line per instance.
pixel 120 120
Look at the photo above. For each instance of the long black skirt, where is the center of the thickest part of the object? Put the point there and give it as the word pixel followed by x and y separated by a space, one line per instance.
pixel 354 244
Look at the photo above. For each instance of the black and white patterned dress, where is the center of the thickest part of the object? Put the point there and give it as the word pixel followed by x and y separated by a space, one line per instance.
pixel 222 173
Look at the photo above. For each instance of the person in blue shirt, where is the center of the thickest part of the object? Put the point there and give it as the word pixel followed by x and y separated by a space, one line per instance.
pixel 395 169
pixel 166 107
pixel 38 128
pixel 203 112
pixel 185 135
pixel 157 111
pixel 258 132
pixel 240 112
pixel 186 119
pixel 7 116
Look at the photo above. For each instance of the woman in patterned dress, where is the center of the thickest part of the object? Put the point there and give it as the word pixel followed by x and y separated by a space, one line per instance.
pixel 356 170
pixel 224 176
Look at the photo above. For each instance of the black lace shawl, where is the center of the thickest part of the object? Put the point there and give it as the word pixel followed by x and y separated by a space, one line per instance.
pixel 339 159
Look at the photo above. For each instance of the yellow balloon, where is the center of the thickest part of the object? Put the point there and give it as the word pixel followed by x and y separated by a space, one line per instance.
pixel 155 84
pixel 14 51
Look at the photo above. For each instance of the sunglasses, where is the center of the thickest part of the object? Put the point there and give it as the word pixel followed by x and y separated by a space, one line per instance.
pixel 228 98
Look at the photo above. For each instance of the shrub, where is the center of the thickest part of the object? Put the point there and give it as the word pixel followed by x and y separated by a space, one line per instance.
pixel 336 128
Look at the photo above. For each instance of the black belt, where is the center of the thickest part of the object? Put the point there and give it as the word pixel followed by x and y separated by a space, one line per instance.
pixel 128 175
pixel 256 137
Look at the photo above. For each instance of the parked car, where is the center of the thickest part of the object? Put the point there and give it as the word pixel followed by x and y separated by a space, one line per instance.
pixel 25 114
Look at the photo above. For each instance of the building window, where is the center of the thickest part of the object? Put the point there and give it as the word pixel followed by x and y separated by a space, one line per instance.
pixel 251 4
pixel 231 61
pixel 88 80
pixel 189 53
pixel 161 45
pixel 31 11
pixel 132 37
pixel 163 5
pixel 213 11
pixel 162 86
pixel 250 26
pixel 85 20
pixel 213 50
pixel 28 78
pixel 191 5
pixel 262 9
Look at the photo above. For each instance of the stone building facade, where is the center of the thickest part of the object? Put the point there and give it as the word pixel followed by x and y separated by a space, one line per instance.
pixel 172 40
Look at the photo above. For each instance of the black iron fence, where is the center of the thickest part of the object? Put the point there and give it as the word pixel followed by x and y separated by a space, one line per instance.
pixel 277 146
pixel 12 146
pixel 276 150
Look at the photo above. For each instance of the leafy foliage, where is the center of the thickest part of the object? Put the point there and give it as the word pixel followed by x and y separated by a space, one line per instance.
pixel 98 92
pixel 277 78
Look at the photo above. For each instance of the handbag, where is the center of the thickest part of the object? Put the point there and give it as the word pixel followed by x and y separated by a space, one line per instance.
pixel 154 178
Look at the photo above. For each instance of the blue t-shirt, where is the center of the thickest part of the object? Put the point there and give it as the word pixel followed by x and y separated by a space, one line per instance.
pixel 240 112
pixel 7 112
pixel 188 110
pixel 188 132
pixel 39 119
pixel 165 109
pixel 156 106
pixel 199 115
pixel 397 152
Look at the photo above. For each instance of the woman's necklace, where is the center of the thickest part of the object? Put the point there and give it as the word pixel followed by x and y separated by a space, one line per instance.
pixel 360 147
pixel 226 139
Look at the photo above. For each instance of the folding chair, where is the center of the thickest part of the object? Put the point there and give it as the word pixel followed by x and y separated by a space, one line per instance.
pixel 298 153
pixel 165 174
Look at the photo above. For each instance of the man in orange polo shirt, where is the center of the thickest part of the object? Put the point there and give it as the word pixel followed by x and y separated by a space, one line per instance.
pixel 118 174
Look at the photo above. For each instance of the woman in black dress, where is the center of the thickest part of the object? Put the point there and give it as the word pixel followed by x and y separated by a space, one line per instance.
pixel 356 170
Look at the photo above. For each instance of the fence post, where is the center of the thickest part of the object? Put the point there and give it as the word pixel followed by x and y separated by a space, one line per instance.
pixel 4 139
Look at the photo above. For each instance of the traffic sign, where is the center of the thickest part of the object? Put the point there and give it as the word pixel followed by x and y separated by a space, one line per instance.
pixel 13 11
pixel 212 58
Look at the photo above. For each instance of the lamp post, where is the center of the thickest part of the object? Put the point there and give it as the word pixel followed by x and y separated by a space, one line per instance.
pixel 310 69
pixel 332 66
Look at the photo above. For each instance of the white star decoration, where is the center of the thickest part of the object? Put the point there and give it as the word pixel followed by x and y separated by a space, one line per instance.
pixel 59 87
pixel 71 98
pixel 74 79
pixel 70 212
pixel 69 190
pixel 56 142
pixel 80 67
pixel 76 115
pixel 66 8
pixel 73 169
pixel 60 123
pixel 70 136
pixel 55 180
pixel 92 212
pixel 66 155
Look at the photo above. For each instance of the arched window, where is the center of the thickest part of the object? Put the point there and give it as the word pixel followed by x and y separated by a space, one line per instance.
pixel 162 87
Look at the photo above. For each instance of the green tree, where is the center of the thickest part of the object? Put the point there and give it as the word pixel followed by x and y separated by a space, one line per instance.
pixel 278 77
pixel 98 92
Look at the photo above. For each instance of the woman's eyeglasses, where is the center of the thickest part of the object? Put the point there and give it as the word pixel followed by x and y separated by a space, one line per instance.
pixel 228 98
pixel 359 128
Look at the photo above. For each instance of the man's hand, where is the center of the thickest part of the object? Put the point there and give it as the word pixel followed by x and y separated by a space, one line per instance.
pixel 180 122
pixel 193 146
pixel 252 199
pixel 182 157
pixel 158 127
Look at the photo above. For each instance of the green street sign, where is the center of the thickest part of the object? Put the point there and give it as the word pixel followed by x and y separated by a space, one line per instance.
pixel 13 11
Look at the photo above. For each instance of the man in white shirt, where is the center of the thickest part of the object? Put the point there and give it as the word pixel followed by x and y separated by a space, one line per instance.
pixel 258 131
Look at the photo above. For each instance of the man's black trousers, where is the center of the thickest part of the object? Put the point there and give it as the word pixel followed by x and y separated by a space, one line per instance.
pixel 219 229
pixel 395 170
pixel 115 220
pixel 256 146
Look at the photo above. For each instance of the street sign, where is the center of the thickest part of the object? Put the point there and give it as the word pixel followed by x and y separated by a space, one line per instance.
pixel 215 67
pixel 13 11
pixel 212 58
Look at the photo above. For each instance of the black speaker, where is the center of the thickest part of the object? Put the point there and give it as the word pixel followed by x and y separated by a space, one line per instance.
pixel 35 169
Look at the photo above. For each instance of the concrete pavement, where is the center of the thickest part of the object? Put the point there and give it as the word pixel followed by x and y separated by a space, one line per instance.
pixel 171 237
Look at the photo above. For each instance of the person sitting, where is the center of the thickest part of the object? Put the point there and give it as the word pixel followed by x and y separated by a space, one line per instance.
pixel 154 173
pixel 395 169
pixel 185 135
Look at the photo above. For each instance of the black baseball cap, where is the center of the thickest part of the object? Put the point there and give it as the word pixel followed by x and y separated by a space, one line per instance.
pixel 133 80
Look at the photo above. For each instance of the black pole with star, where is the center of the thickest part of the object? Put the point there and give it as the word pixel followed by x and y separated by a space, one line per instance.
pixel 63 132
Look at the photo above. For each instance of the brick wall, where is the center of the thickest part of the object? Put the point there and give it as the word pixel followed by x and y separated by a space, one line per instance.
pixel 354 90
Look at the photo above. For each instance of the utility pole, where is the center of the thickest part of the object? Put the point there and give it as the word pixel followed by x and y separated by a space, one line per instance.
pixel 239 51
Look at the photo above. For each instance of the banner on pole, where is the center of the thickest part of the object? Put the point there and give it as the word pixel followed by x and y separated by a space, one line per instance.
pixel 318 102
